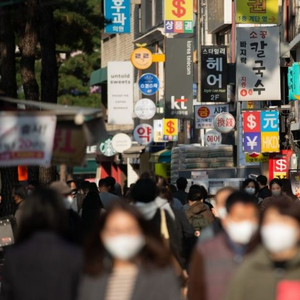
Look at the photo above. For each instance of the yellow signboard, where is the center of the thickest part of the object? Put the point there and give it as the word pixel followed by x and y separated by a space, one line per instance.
pixel 269 142
pixel 257 11
pixel 171 127
pixel 257 157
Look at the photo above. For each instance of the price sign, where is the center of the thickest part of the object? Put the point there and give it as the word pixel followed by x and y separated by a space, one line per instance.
pixel 213 138
pixel 171 130
pixel 143 134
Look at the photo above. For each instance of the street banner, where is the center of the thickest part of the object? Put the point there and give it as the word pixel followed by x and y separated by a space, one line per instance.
pixel 261 131
pixel 170 130
pixel 279 164
pixel 295 182
pixel 258 70
pixel 257 11
pixel 158 131
pixel 205 115
pixel 120 92
pixel 179 79
pixel 26 140
pixel 179 16
pixel 117 15
pixel 213 74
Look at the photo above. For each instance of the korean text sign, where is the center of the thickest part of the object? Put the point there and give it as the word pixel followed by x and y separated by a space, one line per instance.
pixel 214 74
pixel 26 140
pixel 179 79
pixel 117 14
pixel 170 130
pixel 178 16
pixel 205 115
pixel 261 131
pixel 258 71
pixel 257 11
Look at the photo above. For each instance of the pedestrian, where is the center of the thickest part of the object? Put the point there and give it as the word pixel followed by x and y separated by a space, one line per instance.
pixel 127 260
pixel 276 187
pixel 220 213
pixel 106 197
pixel 198 213
pixel 19 194
pixel 77 198
pixel 201 189
pixel 93 187
pixel 215 261
pixel 272 270
pixel 250 186
pixel 181 194
pixel 42 264
pixel 32 185
pixel 287 189
pixel 263 191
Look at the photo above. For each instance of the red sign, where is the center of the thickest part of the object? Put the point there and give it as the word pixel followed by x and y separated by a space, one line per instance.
pixel 143 134
pixel 251 121
pixel 279 164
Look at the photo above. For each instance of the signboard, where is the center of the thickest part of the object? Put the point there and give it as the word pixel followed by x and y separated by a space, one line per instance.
pixel 117 12
pixel 220 14
pixel 294 82
pixel 121 142
pixel 107 149
pixel 143 134
pixel 145 109
pixel 171 130
pixel 261 131
pixel 213 138
pixel 120 92
pixel 224 122
pixel 148 84
pixel 279 164
pixel 213 74
pixel 179 16
pixel 141 58
pixel 158 131
pixel 295 182
pixel 205 115
pixel 26 140
pixel 258 71
pixel 257 11
pixel 179 79
pixel 257 157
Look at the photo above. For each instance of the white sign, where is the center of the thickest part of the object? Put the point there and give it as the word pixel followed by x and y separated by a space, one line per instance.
pixel 205 114
pixel 121 142
pixel 258 69
pixel 120 92
pixel 213 138
pixel 107 149
pixel 143 134
pixel 26 140
pixel 158 131
pixel 224 122
pixel 145 109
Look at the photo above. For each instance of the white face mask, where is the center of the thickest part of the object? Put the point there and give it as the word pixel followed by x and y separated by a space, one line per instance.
pixel 276 193
pixel 124 247
pixel 68 201
pixel 241 232
pixel 222 212
pixel 250 190
pixel 278 237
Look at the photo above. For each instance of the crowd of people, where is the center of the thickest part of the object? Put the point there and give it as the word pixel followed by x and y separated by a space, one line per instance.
pixel 154 241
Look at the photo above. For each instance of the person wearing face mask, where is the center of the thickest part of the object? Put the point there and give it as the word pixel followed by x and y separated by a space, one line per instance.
pixel 272 270
pixel 250 187
pixel 276 188
pixel 215 261
pixel 126 260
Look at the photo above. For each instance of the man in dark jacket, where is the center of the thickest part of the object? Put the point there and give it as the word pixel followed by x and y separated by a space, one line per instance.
pixel 264 191
pixel 181 193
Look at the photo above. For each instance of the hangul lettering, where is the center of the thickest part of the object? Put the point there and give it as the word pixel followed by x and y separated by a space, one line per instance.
pixel 265 19
pixel 155 85
pixel 243 60
pixel 204 51
pixel 243 52
pixel 215 63
pixel 211 51
pixel 243 44
pixel 116 28
pixel 244 18
pixel 213 80
pixel 257 88
pixel 259 69
pixel 178 26
pixel 169 25
pixel 188 26
pixel 216 51
pixel 263 34
pixel 119 18
pixel 257 6
pixel 144 133
pixel 253 35
pixel 262 44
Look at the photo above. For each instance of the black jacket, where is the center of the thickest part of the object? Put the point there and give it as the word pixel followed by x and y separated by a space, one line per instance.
pixel 264 193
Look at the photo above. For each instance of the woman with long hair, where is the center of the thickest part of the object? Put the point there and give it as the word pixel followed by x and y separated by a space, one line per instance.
pixel 125 259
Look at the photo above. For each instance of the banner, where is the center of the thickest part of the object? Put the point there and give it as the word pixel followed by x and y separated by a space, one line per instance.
pixel 205 115
pixel 117 15
pixel 179 16
pixel 26 140
pixel 213 74
pixel 170 130
pixel 261 131
pixel 257 11
pixel 279 164
pixel 179 79
pixel 120 92
pixel 258 70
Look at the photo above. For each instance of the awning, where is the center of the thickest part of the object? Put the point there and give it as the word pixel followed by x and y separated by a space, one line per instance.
pixel 134 152
pixel 151 37
pixel 99 76
pixel 163 156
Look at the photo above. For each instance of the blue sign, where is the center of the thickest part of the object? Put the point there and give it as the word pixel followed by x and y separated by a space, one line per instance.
pixel 252 142
pixel 117 15
pixel 149 84
pixel 294 82
pixel 269 121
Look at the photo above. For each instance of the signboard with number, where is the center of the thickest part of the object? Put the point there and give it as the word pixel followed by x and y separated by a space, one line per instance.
pixel 258 68
pixel 224 122
pixel 214 74
pixel 257 11
pixel 279 164
pixel 178 16
pixel 117 12
pixel 170 130
pixel 261 131
pixel 148 84
pixel 205 115
pixel 143 134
